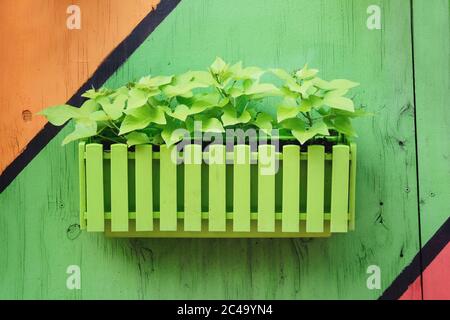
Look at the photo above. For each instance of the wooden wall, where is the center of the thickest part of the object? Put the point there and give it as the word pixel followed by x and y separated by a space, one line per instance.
pixel 403 152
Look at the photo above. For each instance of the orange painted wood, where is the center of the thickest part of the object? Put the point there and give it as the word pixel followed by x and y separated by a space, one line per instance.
pixel 43 63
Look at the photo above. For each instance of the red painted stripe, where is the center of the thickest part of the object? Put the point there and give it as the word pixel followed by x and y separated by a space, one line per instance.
pixel 436 277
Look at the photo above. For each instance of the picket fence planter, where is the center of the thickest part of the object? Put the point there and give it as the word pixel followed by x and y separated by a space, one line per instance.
pixel 145 194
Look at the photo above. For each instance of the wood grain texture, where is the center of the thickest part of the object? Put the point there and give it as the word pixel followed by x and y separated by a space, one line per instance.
pixel 38 212
pixel 432 84
pixel 43 63
pixel 432 65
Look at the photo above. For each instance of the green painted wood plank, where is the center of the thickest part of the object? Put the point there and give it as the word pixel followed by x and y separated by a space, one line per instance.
pixel 94 187
pixel 339 189
pixel 431 21
pixel 315 189
pixel 432 84
pixel 352 187
pixel 144 188
pixel 217 188
pixel 266 188
pixel 168 190
pixel 241 188
pixel 82 183
pixel 119 187
pixel 291 188
pixel 192 188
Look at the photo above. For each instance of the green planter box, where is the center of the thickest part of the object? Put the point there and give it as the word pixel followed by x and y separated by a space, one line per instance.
pixel 146 194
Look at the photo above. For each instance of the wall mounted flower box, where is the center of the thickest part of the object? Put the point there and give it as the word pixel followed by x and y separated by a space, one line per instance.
pixel 144 193
pixel 132 183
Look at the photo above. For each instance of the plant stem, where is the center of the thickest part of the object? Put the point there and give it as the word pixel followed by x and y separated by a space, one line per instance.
pixel 114 125
pixel 308 117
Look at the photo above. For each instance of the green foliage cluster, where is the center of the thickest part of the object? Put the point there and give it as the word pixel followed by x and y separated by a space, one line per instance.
pixel 305 107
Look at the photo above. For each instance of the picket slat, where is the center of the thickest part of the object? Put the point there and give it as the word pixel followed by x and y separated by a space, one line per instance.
pixel 119 187
pixel 168 190
pixel 291 189
pixel 82 181
pixel 315 189
pixel 217 188
pixel 192 187
pixel 241 188
pixel 94 188
pixel 339 189
pixel 267 168
pixel 352 186
pixel 144 188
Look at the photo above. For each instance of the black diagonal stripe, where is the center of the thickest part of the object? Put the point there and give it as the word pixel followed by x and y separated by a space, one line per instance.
pixel 430 251
pixel 112 62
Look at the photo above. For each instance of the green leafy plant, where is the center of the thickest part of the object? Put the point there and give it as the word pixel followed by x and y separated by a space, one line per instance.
pixel 302 106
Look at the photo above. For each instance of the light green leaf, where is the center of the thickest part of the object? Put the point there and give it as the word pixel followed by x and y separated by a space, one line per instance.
pixel 59 115
pixel 339 103
pixel 287 109
pixel 212 125
pixel 264 122
pixel 305 88
pixel 84 128
pixel 131 123
pixel 344 125
pixel 262 90
pixel 153 82
pixel 249 73
pixel 294 86
pixel 342 84
pixel 306 73
pixel 139 118
pixel 293 124
pixel 235 92
pixel 304 134
pixel 181 112
pixel 230 117
pixel 283 75
pixel 322 84
pixel 89 106
pixel 288 93
pixel 136 138
pixel 335 93
pixel 208 100
pixel 312 102
pixel 183 78
pixel 172 134
pixel 284 113
pixel 93 94
pixel 120 91
pixel 182 89
pixel 218 66
pixel 203 78
pixel 138 98
pixel 113 109
pixel 99 116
